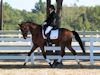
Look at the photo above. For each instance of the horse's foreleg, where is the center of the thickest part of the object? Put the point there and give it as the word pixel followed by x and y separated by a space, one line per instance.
pixel 29 54
pixel 44 55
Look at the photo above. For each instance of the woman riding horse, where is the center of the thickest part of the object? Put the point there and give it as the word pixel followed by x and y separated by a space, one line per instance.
pixel 50 22
pixel 64 40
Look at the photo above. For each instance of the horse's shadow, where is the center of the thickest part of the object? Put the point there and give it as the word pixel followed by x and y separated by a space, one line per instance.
pixel 47 66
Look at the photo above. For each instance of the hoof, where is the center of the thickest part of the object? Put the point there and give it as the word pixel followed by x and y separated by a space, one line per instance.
pixel 50 65
pixel 84 53
pixel 57 64
pixel 78 63
pixel 24 64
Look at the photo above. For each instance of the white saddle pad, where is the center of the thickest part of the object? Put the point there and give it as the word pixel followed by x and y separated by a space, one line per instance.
pixel 53 34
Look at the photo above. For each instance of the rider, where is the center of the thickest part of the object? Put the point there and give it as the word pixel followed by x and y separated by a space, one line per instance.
pixel 50 22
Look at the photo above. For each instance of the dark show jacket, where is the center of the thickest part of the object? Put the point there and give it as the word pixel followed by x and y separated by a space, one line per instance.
pixel 51 19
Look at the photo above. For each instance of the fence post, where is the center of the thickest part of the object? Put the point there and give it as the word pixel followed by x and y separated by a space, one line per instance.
pixel 91 51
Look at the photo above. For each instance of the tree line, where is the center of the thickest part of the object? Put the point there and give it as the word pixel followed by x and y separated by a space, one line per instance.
pixel 73 18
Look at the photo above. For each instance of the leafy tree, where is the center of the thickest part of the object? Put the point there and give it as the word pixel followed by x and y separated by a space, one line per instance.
pixel 40 7
pixel 72 17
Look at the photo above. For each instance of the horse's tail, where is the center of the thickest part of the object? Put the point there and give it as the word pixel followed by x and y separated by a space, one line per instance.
pixel 77 37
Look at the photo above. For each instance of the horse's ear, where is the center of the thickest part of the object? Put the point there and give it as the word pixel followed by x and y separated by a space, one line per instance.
pixel 19 24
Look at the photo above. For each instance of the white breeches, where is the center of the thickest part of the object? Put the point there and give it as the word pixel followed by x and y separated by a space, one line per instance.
pixel 48 29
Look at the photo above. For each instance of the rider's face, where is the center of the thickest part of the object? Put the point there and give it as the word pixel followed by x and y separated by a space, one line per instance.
pixel 50 9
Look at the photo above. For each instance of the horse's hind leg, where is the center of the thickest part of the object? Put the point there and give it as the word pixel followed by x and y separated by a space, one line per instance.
pixel 58 62
pixel 29 54
pixel 73 52
pixel 62 52
pixel 44 55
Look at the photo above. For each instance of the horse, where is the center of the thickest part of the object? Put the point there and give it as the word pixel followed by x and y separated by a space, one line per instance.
pixel 64 40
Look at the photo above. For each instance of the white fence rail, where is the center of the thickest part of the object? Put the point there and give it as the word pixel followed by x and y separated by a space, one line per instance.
pixel 12 42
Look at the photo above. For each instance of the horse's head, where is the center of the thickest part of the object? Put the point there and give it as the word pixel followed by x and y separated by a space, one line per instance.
pixel 24 27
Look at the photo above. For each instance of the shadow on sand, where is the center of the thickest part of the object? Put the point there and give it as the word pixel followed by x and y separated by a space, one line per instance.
pixel 47 66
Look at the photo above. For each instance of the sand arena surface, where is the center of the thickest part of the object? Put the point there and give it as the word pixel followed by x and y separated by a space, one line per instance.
pixel 42 68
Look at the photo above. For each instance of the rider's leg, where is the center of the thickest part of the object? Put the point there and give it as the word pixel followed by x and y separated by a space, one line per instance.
pixel 47 33
pixel 48 29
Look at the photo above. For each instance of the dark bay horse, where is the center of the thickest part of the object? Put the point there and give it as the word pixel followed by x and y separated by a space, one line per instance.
pixel 64 40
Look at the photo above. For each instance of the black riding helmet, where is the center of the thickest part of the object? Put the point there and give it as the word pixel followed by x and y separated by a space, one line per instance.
pixel 52 7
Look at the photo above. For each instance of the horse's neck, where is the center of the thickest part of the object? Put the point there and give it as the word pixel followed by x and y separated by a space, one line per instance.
pixel 35 30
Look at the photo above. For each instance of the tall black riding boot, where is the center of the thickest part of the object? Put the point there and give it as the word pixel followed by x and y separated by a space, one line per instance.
pixel 48 38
